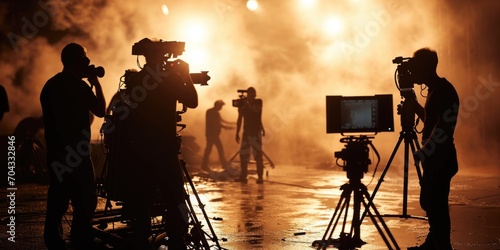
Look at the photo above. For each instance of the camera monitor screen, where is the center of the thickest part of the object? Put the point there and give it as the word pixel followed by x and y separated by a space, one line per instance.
pixel 354 114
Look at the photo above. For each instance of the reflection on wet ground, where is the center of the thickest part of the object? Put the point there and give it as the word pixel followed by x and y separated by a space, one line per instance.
pixel 294 206
pixel 290 210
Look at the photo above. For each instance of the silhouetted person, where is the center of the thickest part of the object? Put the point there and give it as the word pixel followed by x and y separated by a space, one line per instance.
pixel 4 102
pixel 250 114
pixel 438 154
pixel 155 173
pixel 213 125
pixel 66 102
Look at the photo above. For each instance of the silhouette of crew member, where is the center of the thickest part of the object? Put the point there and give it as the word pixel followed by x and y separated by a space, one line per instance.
pixel 155 145
pixel 250 114
pixel 4 102
pixel 66 101
pixel 214 124
pixel 438 154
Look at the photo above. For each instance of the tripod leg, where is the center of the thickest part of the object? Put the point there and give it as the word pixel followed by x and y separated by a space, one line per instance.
pixel 338 211
pixel 268 159
pixel 414 147
pixel 234 156
pixel 202 208
pixel 341 205
pixel 356 221
pixel 405 180
pixel 389 162
pixel 380 219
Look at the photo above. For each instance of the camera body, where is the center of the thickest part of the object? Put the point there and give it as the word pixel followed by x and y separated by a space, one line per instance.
pixel 404 72
pixel 168 49
pixel 147 46
pixel 355 154
pixel 92 71
pixel 238 103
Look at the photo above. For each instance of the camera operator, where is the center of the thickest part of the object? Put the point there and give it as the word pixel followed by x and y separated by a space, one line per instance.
pixel 155 145
pixel 66 101
pixel 250 113
pixel 438 154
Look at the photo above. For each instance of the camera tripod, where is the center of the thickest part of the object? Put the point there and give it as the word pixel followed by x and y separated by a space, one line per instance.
pixel 269 161
pixel 352 239
pixel 197 232
pixel 355 155
pixel 263 154
pixel 408 135
pixel 196 238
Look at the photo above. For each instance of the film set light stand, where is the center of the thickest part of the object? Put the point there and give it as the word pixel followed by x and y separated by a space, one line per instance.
pixel 356 114
pixel 404 83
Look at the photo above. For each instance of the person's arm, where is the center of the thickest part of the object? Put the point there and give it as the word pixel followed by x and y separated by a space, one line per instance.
pixel 238 126
pixel 226 124
pixel 99 107
pixel 260 117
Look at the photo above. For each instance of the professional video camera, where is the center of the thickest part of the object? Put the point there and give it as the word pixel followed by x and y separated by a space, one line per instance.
pixel 168 49
pixel 358 114
pixel 403 75
pixel 405 80
pixel 238 103
pixel 355 155
pixel 92 71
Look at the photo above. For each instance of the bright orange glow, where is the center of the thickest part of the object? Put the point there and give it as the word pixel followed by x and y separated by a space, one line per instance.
pixel 294 52
pixel 164 9
pixel 196 56
pixel 333 26
pixel 252 5
pixel 307 3
pixel 194 32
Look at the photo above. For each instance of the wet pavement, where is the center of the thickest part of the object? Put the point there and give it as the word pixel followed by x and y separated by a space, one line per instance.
pixel 293 208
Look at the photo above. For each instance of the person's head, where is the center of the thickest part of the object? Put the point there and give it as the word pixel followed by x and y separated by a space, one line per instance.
pixel 424 64
pixel 251 93
pixel 218 104
pixel 74 58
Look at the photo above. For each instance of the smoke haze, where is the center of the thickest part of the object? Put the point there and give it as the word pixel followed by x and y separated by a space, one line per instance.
pixel 284 49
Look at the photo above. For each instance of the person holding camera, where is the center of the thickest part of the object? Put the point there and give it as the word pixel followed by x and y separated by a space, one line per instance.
pixel 438 154
pixel 66 101
pixel 155 173
pixel 250 114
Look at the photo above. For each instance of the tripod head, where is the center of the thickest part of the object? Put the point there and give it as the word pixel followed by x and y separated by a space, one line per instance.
pixel 355 155
pixel 406 110
pixel 404 81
